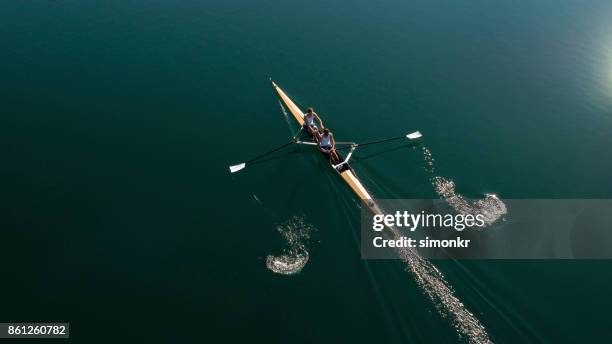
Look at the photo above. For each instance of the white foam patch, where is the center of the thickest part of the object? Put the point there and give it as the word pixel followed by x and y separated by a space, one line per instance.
pixel 285 264
pixel 293 258
pixel 491 207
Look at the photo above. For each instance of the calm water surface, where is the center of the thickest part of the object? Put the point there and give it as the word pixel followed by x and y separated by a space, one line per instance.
pixel 119 120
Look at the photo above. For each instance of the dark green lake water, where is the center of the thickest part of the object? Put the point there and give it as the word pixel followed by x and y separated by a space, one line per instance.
pixel 119 120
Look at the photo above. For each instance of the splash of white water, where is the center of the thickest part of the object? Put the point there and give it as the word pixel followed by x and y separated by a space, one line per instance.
pixel 293 259
pixel 491 207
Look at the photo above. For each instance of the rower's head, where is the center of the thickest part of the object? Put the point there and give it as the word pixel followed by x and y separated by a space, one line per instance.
pixel 309 110
pixel 325 131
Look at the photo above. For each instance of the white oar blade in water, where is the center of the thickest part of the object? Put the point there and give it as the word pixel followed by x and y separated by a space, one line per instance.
pixel 415 135
pixel 236 168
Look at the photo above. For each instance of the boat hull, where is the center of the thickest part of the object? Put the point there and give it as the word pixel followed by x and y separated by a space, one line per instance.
pixel 345 171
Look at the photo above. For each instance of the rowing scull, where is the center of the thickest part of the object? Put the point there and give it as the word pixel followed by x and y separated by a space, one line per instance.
pixel 345 171
pixel 343 168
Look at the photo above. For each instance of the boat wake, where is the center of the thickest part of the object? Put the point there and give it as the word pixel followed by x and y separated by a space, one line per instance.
pixel 435 286
pixel 428 277
pixel 293 258
pixel 439 291
pixel 491 207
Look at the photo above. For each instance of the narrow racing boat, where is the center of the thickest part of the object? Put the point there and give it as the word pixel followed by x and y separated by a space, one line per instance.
pixel 343 168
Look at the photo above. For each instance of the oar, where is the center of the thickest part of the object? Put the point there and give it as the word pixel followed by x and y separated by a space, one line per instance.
pixel 294 139
pixel 236 168
pixel 411 136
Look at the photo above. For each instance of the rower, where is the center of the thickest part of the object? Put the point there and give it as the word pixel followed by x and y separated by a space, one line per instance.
pixel 310 124
pixel 327 145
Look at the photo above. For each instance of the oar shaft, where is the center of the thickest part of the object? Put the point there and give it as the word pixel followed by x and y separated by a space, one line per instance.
pixel 241 166
pixel 270 152
pixel 374 142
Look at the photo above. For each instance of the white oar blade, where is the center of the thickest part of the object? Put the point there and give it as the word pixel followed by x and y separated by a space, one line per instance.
pixel 415 135
pixel 306 143
pixel 236 168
